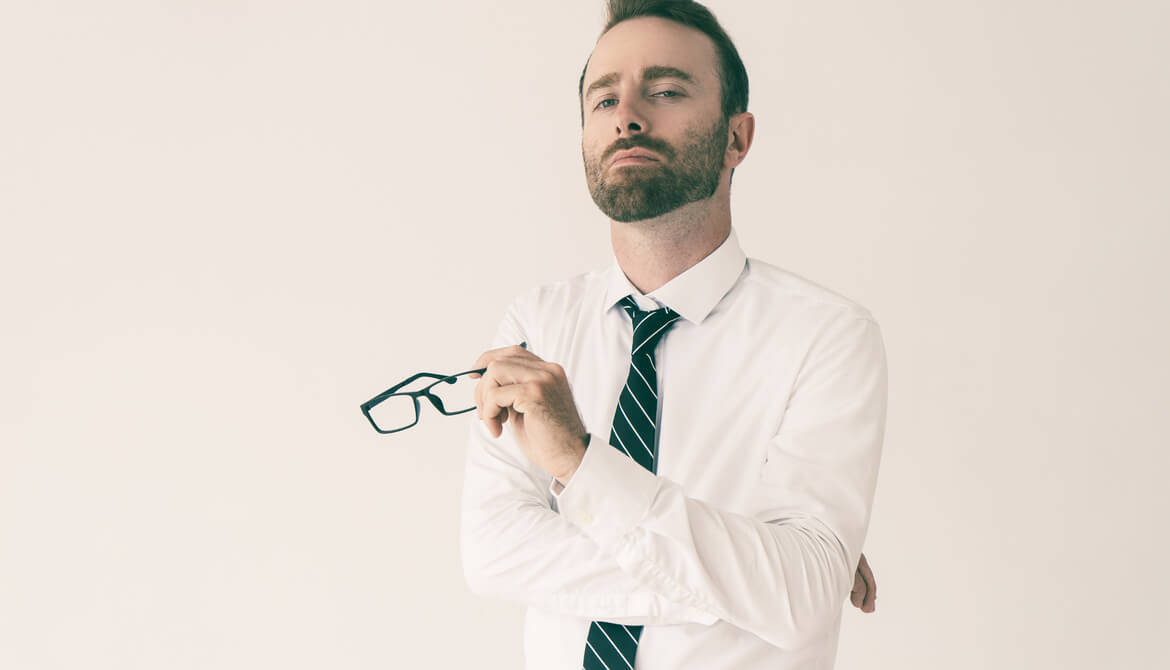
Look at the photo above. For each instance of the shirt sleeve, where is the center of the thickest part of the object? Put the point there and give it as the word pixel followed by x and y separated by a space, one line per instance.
pixel 784 571
pixel 515 546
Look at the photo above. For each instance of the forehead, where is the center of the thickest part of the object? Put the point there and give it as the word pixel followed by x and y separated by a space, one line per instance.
pixel 635 44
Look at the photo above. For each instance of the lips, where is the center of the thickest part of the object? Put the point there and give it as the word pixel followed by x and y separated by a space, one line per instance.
pixel 633 153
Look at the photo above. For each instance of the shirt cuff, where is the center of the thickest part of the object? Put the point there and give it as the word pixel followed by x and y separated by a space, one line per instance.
pixel 608 495
pixel 556 487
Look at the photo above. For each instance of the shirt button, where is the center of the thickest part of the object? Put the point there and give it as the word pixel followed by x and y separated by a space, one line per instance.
pixel 584 518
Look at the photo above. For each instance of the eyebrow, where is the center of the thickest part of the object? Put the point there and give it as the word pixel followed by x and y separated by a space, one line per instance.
pixel 648 74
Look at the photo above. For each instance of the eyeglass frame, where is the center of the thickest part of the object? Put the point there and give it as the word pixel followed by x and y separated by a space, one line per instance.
pixel 436 401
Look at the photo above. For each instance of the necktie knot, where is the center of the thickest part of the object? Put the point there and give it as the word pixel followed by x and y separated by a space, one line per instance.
pixel 649 326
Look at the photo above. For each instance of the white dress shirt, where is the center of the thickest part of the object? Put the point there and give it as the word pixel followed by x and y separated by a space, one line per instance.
pixel 739 552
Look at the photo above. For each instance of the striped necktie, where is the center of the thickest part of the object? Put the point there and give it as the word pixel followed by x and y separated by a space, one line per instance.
pixel 611 646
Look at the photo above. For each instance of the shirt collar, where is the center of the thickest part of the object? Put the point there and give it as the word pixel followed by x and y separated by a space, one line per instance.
pixel 695 292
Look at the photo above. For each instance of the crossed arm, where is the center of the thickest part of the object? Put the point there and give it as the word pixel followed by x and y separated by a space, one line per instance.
pixel 659 571
pixel 515 547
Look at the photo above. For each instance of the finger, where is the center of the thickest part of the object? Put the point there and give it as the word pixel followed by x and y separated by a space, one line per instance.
pixel 518 370
pixel 486 408
pixel 526 382
pixel 502 398
pixel 503 372
pixel 477 366
pixel 869 604
pixel 492 377
pixel 480 387
pixel 867 574
pixel 493 426
pixel 518 363
pixel 487 357
pixel 857 595
pixel 510 382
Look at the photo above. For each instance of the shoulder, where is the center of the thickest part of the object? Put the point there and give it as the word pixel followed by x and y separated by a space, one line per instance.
pixel 547 315
pixel 790 292
pixel 805 325
pixel 560 296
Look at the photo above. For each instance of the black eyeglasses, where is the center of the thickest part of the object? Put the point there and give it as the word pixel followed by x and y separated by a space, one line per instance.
pixel 393 410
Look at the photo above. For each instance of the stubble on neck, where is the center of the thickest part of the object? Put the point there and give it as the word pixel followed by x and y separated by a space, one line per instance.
pixel 651 252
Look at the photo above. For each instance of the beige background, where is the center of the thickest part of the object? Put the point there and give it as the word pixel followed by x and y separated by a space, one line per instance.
pixel 226 224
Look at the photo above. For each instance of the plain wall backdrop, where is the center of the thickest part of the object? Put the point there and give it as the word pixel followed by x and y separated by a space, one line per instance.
pixel 227 224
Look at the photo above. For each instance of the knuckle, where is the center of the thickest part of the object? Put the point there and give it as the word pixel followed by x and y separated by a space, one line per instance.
pixel 491 370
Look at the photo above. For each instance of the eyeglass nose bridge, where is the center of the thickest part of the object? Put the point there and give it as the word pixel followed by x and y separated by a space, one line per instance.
pixel 436 401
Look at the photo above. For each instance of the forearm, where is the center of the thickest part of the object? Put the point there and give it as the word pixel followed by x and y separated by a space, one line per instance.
pixel 784 581
pixel 515 546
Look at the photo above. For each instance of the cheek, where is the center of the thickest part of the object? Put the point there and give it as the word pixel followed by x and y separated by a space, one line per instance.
pixel 595 139
pixel 591 151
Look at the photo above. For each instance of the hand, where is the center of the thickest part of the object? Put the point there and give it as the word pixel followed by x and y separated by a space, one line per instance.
pixel 534 395
pixel 864 594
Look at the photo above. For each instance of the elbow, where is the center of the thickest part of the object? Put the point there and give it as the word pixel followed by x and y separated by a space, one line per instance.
pixel 487 569
pixel 481 580
pixel 477 583
pixel 475 568
pixel 795 629
pixel 815 626
pixel 809 627
pixel 815 598
pixel 825 615
pixel 473 576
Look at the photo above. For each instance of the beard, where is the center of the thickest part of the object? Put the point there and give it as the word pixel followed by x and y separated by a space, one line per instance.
pixel 644 191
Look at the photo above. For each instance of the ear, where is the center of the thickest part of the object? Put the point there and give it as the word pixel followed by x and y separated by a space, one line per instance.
pixel 740 129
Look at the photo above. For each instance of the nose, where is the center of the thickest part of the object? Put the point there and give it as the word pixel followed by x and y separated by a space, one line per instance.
pixel 630 118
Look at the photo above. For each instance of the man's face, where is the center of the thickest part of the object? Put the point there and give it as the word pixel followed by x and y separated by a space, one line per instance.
pixel 652 87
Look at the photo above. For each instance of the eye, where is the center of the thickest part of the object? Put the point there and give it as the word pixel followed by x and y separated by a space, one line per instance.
pixel 602 105
pixel 669 94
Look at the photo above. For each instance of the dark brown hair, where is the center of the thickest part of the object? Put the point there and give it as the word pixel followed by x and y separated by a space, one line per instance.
pixel 732 74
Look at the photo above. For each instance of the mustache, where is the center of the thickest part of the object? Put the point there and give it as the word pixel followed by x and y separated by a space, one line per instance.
pixel 640 142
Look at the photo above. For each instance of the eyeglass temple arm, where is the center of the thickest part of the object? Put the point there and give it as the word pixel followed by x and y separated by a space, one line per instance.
pixel 394 389
pixel 480 371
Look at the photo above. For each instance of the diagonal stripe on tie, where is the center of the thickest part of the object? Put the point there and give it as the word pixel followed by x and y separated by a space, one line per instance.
pixel 645 380
pixel 611 646
pixel 641 406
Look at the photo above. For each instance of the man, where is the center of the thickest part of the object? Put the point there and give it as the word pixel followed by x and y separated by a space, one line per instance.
pixel 694 435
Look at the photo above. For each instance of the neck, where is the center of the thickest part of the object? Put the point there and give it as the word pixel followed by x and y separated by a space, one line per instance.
pixel 651 252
